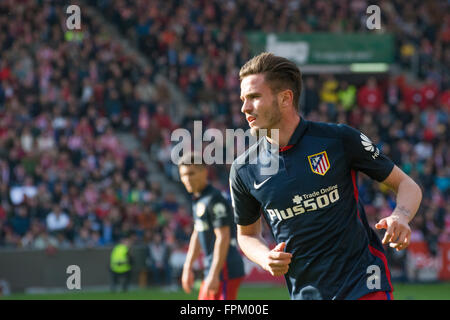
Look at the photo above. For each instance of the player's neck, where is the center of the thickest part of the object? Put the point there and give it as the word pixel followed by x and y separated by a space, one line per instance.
pixel 200 190
pixel 286 129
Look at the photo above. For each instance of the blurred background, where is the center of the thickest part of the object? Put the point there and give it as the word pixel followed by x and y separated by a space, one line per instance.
pixel 86 117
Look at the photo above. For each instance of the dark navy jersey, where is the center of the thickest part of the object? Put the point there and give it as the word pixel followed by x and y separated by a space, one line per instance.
pixel 312 204
pixel 210 211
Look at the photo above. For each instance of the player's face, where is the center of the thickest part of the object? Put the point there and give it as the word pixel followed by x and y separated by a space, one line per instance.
pixel 193 177
pixel 260 104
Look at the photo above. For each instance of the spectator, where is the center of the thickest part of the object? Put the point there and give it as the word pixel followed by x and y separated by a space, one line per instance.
pixel 57 220
pixel 393 94
pixel 370 96
pixel 310 96
pixel 121 263
pixel 328 92
pixel 147 219
pixel 429 92
pixel 88 238
pixel 347 96
pixel 44 241
pixel 158 260
pixel 145 91
pixel 21 221
pixel 20 193
pixel 109 231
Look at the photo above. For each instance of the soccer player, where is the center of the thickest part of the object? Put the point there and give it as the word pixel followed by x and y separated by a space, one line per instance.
pixel 214 233
pixel 325 247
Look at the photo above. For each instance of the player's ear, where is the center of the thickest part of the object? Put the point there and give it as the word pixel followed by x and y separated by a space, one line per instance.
pixel 285 98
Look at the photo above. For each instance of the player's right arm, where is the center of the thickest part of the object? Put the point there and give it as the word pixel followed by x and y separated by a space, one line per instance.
pixel 251 242
pixel 187 277
pixel 248 220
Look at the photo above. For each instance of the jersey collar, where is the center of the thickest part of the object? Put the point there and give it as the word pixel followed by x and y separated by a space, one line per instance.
pixel 296 136
pixel 204 192
pixel 298 132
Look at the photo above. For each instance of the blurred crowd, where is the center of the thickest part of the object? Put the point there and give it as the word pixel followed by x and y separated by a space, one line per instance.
pixel 201 44
pixel 67 181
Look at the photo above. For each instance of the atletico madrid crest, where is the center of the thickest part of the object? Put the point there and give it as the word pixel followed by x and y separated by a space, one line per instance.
pixel 319 163
pixel 200 210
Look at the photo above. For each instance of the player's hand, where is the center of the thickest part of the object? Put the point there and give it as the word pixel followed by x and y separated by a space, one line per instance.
pixel 398 232
pixel 212 284
pixel 187 279
pixel 278 261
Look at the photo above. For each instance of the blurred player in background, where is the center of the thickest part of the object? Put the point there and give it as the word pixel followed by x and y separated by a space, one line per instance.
pixel 325 247
pixel 214 233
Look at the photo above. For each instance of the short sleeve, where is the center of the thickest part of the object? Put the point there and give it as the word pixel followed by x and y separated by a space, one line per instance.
pixel 220 213
pixel 364 155
pixel 245 207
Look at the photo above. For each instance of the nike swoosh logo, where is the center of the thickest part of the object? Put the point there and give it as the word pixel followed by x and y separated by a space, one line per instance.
pixel 257 186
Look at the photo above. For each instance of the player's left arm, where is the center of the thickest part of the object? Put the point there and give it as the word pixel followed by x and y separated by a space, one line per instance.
pixel 221 246
pixel 408 198
pixel 363 155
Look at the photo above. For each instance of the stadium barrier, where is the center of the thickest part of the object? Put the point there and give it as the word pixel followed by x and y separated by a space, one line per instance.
pixel 28 270
pixel 34 270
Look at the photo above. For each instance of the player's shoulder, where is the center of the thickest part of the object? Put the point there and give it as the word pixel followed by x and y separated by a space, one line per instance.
pixel 213 194
pixel 217 195
pixel 217 200
pixel 244 160
pixel 327 129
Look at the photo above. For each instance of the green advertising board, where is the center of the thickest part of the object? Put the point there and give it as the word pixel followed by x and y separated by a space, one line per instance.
pixel 326 48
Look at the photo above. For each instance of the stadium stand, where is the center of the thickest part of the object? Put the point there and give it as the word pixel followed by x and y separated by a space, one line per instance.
pixel 67 181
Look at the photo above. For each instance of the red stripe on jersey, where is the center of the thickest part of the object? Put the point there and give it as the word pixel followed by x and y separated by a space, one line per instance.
pixel 286 148
pixel 374 251
pixel 381 255
pixel 355 191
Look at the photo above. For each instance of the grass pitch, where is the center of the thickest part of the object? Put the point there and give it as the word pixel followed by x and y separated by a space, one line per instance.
pixel 438 291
